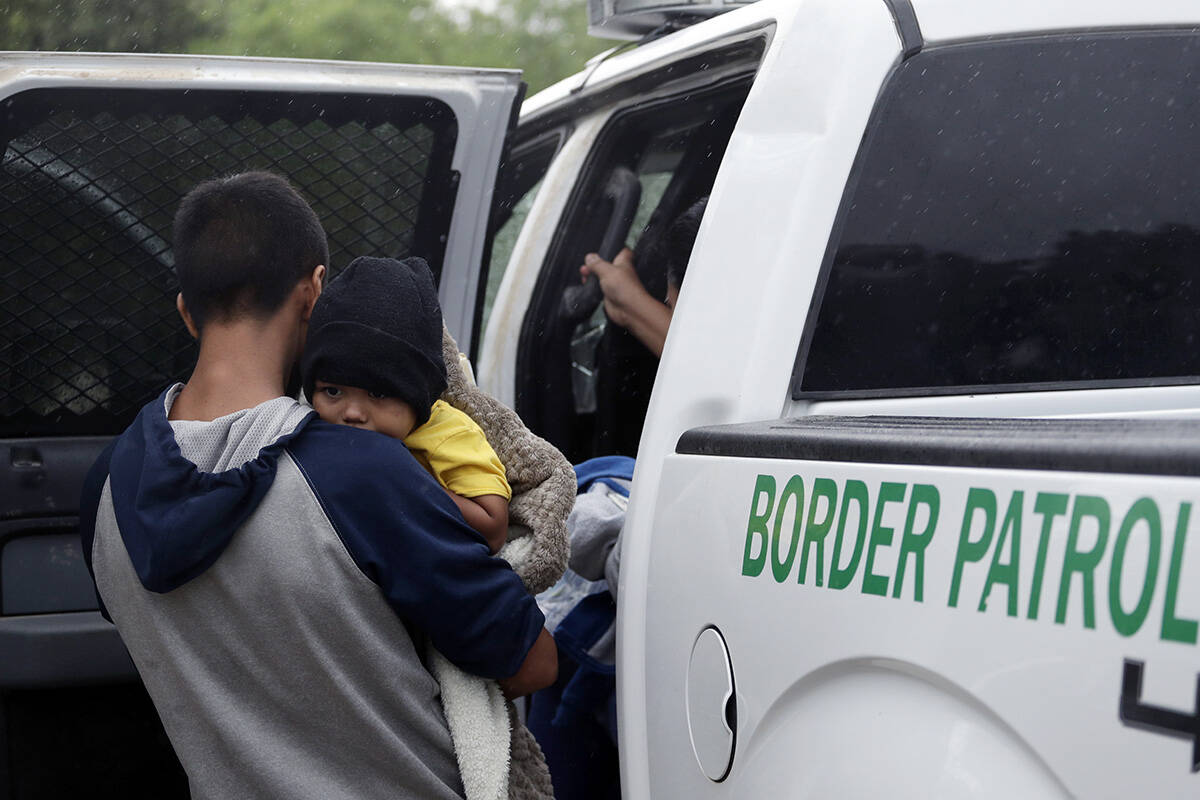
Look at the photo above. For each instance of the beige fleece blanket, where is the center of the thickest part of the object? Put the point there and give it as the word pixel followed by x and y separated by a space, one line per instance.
pixel 498 756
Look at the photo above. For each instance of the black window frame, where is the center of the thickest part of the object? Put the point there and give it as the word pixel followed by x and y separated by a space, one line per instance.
pixel 798 393
pixel 554 276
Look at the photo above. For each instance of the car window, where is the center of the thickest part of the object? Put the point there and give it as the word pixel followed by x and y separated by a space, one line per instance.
pixel 585 385
pixel 518 187
pixel 502 247
pixel 89 184
pixel 654 170
pixel 1023 213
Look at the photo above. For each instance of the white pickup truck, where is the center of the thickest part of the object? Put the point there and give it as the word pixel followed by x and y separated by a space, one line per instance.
pixel 915 476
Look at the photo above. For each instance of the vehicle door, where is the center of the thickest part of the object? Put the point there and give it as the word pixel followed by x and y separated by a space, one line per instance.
pixel 642 134
pixel 98 150
pixel 803 680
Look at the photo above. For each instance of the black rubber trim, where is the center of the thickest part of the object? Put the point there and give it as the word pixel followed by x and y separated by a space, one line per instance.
pixel 1128 446
pixel 911 38
pixel 61 650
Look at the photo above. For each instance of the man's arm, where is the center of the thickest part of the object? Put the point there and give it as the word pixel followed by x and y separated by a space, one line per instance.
pixel 539 670
pixel 409 539
pixel 626 301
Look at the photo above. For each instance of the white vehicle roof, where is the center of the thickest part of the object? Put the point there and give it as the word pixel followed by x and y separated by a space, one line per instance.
pixel 940 21
pixel 943 20
pixel 619 64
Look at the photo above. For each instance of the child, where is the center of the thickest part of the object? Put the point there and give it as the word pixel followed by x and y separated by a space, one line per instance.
pixel 373 360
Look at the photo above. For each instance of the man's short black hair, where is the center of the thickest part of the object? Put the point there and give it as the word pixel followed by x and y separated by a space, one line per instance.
pixel 242 243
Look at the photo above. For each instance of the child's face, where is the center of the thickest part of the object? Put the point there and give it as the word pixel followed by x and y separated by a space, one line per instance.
pixel 350 405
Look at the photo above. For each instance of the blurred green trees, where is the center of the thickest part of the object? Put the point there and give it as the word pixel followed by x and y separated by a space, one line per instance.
pixel 545 38
pixel 104 25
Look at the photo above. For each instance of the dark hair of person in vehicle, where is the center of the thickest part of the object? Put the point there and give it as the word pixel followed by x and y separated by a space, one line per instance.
pixel 680 239
pixel 242 243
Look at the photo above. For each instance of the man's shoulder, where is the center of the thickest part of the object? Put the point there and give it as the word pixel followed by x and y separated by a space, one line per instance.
pixel 347 444
pixel 369 482
pixel 326 452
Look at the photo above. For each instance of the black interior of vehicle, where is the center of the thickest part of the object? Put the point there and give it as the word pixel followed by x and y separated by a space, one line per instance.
pixel 582 383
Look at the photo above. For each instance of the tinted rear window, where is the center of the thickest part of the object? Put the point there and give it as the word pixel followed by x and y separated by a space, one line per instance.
pixel 89 184
pixel 1023 212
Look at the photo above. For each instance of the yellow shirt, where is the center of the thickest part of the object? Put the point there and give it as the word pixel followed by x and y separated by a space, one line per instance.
pixel 455 451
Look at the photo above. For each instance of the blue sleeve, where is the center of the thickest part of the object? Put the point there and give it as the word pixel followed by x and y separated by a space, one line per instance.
pixel 89 507
pixel 408 537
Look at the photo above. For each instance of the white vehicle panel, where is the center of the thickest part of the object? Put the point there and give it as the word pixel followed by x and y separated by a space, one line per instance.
pixel 767 223
pixel 877 708
pixel 617 66
pixel 943 20
pixel 1142 401
pixel 958 688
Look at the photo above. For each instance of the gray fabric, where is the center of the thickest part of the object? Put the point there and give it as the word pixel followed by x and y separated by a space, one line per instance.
pixel 230 441
pixel 280 672
pixel 529 778
pixel 605 648
pixel 595 529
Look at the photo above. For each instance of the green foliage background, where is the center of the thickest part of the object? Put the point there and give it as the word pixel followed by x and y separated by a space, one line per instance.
pixel 547 39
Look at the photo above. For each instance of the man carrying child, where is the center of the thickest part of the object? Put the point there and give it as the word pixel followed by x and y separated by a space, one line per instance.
pixel 269 571
pixel 373 360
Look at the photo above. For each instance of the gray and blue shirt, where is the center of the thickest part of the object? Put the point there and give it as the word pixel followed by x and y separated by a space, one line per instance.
pixel 268 573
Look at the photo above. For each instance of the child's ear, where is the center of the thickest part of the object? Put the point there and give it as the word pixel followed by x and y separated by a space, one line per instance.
pixel 181 307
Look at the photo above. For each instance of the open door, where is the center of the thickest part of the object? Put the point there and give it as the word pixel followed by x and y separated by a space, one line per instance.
pixel 98 150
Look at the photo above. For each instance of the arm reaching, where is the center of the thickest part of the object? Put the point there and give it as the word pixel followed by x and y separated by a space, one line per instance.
pixel 626 301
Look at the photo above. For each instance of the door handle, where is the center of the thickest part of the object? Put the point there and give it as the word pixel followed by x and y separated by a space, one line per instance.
pixel 712 705
pixel 25 458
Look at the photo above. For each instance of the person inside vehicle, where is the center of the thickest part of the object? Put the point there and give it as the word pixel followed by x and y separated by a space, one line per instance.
pixel 575 719
pixel 626 301
pixel 268 572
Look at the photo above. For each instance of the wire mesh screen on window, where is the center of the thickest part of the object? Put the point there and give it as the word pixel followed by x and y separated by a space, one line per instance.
pixel 88 327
